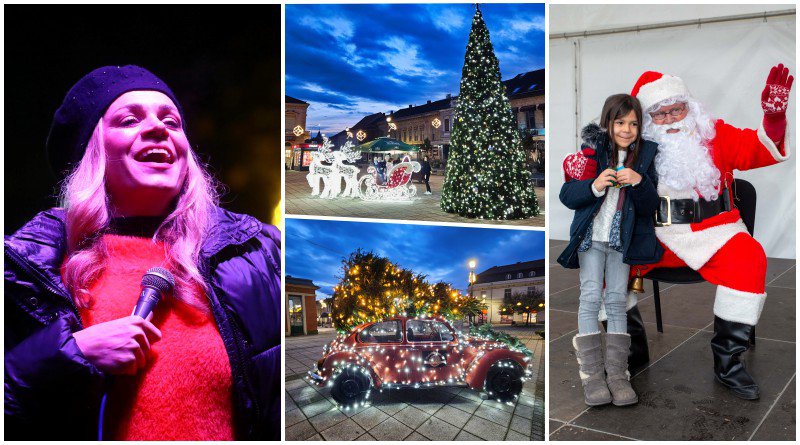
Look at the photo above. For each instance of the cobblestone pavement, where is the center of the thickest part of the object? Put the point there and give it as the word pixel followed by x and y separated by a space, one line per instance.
pixel 678 397
pixel 409 414
pixel 421 208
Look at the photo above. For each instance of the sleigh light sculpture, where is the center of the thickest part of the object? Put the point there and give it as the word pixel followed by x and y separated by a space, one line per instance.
pixel 398 185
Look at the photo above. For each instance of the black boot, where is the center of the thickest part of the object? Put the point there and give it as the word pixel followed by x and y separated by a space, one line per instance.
pixel 639 354
pixel 730 340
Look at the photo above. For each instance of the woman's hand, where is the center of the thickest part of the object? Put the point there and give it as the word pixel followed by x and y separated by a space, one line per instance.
pixel 628 176
pixel 606 179
pixel 118 346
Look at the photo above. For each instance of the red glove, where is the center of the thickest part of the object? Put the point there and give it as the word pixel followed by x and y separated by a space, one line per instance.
pixel 774 100
pixel 578 166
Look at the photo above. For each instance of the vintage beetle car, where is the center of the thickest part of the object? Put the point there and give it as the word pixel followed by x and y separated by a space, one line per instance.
pixel 418 353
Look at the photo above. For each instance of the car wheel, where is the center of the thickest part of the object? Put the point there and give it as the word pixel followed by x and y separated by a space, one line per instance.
pixel 504 380
pixel 351 386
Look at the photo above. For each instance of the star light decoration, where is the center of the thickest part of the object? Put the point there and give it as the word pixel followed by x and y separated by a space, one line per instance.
pixel 436 122
pixel 395 365
pixel 392 126
pixel 486 175
pixel 361 135
pixel 298 130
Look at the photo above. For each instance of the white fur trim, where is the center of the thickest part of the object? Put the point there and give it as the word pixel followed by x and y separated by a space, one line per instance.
pixel 664 88
pixel 663 190
pixel 696 248
pixel 631 302
pixel 770 144
pixel 738 306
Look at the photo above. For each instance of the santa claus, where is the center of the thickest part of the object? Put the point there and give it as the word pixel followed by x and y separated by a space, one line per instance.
pixel 696 223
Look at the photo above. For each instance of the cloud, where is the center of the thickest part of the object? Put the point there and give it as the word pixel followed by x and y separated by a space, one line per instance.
pixel 342 30
pixel 349 61
pixel 310 86
pixel 449 20
pixel 339 28
pixel 405 59
pixel 393 79
pixel 518 29
pixel 333 118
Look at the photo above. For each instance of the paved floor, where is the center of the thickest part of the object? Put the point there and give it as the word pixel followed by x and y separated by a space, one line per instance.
pixel 421 208
pixel 678 397
pixel 408 414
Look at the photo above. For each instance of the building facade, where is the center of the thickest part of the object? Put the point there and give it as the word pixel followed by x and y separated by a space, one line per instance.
pixel 301 306
pixel 495 283
pixel 434 119
pixel 431 121
pixel 295 131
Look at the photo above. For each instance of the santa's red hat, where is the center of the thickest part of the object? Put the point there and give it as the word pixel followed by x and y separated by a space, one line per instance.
pixel 653 87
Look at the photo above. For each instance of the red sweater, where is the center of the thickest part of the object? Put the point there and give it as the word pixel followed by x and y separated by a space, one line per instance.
pixel 184 392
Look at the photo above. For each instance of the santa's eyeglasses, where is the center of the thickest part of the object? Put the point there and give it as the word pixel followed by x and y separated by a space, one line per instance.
pixel 675 112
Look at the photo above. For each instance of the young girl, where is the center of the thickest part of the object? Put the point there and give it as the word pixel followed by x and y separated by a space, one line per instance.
pixel 611 185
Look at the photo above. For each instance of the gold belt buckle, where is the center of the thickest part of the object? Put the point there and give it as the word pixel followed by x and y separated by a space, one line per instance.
pixel 669 213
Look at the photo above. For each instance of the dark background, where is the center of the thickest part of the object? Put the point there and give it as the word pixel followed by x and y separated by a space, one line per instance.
pixel 222 62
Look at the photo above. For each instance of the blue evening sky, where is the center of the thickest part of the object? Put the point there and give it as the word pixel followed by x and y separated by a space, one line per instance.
pixel 315 249
pixel 349 61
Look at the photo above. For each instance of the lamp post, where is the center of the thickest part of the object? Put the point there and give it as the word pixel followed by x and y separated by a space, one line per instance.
pixel 471 264
pixel 390 126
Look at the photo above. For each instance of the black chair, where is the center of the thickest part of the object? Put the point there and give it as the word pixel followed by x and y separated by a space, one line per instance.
pixel 745 200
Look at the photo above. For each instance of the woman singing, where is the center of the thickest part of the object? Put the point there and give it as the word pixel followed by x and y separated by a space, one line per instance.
pixel 78 365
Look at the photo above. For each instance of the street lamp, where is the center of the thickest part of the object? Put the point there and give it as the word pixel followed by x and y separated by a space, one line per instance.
pixel 471 264
pixel 391 126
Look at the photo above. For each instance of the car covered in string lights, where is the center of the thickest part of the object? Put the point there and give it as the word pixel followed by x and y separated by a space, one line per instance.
pixel 418 353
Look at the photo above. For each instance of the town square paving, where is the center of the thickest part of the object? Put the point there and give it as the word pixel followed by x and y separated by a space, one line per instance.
pixel 421 208
pixel 678 397
pixel 410 414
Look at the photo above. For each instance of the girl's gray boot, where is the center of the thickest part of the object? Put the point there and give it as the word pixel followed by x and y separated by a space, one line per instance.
pixel 589 352
pixel 618 377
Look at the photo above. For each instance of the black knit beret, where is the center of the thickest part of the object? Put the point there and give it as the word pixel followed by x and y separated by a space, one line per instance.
pixel 85 104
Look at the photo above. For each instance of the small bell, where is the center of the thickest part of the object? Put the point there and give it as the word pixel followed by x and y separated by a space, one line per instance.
pixel 637 283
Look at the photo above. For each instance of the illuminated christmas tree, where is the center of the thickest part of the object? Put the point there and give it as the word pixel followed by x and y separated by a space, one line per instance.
pixel 373 288
pixel 486 176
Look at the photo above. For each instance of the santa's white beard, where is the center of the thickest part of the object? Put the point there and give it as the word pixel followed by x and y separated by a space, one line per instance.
pixel 683 162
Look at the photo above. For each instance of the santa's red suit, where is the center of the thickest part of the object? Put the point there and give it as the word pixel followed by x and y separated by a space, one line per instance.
pixel 719 247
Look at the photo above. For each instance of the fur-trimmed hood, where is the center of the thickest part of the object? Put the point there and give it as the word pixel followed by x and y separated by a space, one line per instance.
pixel 594 136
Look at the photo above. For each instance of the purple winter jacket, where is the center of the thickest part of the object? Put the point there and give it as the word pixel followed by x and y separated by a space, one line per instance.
pixel 53 392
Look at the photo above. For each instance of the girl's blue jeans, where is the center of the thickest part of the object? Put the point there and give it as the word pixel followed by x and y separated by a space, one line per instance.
pixel 596 263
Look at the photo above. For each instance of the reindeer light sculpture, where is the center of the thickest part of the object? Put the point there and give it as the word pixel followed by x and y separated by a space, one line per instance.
pixel 347 172
pixel 318 171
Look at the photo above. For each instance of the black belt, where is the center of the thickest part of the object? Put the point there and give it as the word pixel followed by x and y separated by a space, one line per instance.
pixel 687 211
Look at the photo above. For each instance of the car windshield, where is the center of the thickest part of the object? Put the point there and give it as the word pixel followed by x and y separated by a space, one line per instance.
pixel 382 332
pixel 418 331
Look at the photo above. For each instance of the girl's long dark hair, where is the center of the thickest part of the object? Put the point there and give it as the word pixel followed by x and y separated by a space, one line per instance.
pixel 617 106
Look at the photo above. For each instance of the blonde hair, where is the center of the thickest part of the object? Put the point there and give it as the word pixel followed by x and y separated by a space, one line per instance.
pixel 86 201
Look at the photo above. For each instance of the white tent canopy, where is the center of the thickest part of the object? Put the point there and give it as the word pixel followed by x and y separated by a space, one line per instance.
pixel 723 61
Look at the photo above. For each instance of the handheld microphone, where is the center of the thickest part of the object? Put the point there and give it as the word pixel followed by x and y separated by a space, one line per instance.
pixel 155 283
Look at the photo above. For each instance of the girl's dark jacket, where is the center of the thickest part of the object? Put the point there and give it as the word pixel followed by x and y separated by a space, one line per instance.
pixel 53 392
pixel 638 234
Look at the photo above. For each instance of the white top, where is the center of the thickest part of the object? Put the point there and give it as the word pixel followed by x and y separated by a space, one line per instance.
pixel 601 227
